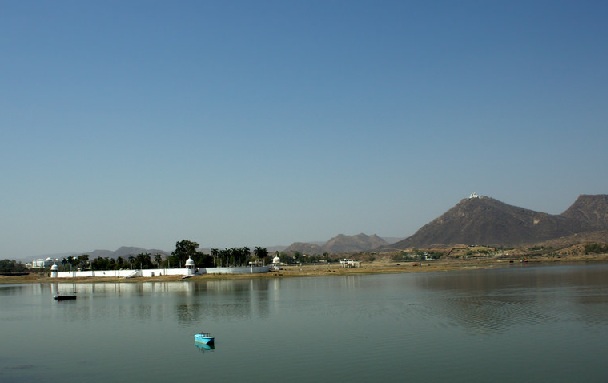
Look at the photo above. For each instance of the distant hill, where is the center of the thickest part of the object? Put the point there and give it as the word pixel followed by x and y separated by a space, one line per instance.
pixel 484 220
pixel 340 244
pixel 123 252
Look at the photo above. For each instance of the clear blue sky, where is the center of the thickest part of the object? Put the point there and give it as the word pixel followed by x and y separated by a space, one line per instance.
pixel 261 123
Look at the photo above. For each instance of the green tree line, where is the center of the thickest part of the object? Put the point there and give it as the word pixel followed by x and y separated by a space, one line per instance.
pixel 184 249
pixel 11 266
pixel 229 257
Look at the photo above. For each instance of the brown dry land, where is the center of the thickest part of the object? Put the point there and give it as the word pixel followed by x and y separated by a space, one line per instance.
pixel 376 267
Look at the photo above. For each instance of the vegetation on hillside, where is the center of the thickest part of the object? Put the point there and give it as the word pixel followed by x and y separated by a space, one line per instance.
pixel 596 248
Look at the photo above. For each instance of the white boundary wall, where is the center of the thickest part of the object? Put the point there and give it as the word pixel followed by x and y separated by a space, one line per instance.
pixel 160 272
pixel 234 270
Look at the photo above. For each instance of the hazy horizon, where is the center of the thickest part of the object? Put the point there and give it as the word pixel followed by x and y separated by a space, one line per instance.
pixel 169 250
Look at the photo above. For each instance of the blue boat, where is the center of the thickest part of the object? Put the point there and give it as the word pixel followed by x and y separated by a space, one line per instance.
pixel 204 338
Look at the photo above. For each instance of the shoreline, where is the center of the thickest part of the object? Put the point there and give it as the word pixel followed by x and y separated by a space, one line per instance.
pixel 316 270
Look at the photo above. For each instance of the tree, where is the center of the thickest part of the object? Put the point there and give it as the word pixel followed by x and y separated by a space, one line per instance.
pixel 143 260
pixel 260 252
pixel 244 255
pixel 215 254
pixel 225 256
pixel 158 258
pixel 202 260
pixel 70 260
pixel 183 250
pixel 11 266
pixel 105 263
pixel 284 257
pixel 99 263
pixel 131 260
pixel 83 261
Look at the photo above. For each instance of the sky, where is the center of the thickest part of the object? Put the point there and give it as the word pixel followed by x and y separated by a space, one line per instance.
pixel 263 123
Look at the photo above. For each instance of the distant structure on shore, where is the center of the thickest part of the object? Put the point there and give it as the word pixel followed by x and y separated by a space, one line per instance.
pixel 40 263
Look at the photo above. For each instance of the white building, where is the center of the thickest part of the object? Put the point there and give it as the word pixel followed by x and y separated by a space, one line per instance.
pixel 40 263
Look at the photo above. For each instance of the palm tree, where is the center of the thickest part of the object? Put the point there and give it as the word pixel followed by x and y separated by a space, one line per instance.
pixel 214 253
pixel 158 258
pixel 260 253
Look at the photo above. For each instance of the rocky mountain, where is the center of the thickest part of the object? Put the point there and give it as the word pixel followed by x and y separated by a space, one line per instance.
pixel 340 244
pixel 590 212
pixel 484 220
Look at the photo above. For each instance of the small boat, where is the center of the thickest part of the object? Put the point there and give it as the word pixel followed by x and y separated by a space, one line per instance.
pixel 64 297
pixel 204 338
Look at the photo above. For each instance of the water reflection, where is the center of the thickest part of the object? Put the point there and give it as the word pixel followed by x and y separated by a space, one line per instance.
pixel 496 300
pixel 204 347
pixel 148 301
pixel 478 300
pixel 6 290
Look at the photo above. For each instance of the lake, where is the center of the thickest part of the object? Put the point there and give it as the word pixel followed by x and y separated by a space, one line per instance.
pixel 520 323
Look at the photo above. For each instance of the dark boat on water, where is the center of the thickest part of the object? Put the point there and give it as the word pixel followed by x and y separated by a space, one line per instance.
pixel 64 297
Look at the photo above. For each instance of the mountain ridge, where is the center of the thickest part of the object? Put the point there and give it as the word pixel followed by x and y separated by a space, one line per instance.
pixel 474 220
pixel 340 244
pixel 484 220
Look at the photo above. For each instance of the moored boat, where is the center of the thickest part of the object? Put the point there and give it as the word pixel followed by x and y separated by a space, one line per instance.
pixel 204 338
pixel 64 297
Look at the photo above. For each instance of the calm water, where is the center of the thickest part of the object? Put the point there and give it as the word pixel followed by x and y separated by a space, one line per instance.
pixel 519 324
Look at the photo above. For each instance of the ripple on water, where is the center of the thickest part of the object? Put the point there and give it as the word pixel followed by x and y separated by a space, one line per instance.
pixel 489 313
